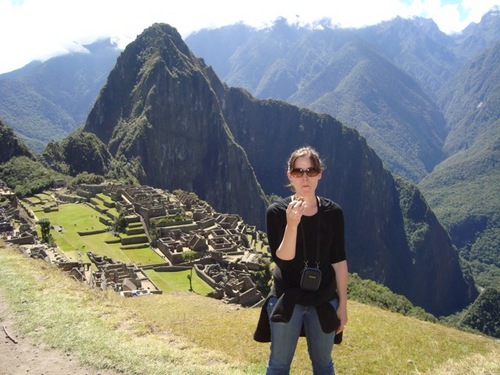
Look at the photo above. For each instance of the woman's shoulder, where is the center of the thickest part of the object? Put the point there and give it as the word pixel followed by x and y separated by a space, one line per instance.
pixel 329 205
pixel 279 205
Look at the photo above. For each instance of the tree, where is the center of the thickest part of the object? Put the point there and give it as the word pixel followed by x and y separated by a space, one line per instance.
pixel 45 229
pixel 483 315
pixel 188 257
pixel 120 223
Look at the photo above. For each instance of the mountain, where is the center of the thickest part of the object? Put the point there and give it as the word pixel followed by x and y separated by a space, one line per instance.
pixel 471 99
pixel 464 189
pixel 345 74
pixel 47 100
pixel 403 75
pixel 484 315
pixel 159 107
pixel 364 90
pixel 20 169
pixel 11 146
pixel 478 37
pixel 426 102
pixel 382 80
pixel 167 114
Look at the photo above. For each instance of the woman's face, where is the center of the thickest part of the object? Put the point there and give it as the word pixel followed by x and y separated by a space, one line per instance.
pixel 306 184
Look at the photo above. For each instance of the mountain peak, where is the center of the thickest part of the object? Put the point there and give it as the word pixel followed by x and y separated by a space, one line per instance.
pixel 11 145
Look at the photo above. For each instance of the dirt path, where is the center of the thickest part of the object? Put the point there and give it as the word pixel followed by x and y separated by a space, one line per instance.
pixel 25 358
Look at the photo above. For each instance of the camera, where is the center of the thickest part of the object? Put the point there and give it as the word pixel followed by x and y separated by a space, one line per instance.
pixel 311 279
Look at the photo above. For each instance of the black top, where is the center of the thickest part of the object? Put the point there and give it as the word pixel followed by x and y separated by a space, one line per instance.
pixel 287 273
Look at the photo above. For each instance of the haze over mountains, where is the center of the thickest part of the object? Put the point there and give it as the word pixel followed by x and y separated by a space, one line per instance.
pixel 45 101
pixel 167 118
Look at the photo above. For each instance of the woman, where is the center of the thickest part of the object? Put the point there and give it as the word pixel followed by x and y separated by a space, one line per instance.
pixel 305 232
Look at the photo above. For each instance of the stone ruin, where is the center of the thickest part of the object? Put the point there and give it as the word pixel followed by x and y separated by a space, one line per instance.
pixel 128 280
pixel 231 284
pixel 16 223
pixel 223 255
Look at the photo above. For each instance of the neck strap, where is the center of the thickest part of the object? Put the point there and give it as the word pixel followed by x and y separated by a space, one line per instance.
pixel 318 225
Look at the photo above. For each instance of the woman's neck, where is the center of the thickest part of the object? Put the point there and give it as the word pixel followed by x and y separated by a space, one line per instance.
pixel 306 198
pixel 311 204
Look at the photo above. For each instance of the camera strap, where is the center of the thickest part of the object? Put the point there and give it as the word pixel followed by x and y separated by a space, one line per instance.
pixel 318 224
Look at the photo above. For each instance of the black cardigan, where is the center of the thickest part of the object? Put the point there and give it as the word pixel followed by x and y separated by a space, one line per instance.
pixel 283 311
pixel 286 274
pixel 323 231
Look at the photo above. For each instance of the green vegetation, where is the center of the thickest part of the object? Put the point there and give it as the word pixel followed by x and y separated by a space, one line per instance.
pixel 484 315
pixel 463 192
pixel 414 214
pixel 44 228
pixel 371 293
pixel 182 332
pixel 80 148
pixel 74 218
pixel 27 176
pixel 485 275
pixel 11 146
pixel 53 156
pixel 87 178
pixel 262 279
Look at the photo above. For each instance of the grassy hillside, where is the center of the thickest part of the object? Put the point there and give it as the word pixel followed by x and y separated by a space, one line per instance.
pixel 185 333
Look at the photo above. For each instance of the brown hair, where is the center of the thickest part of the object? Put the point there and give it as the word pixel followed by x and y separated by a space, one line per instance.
pixel 309 152
pixel 306 151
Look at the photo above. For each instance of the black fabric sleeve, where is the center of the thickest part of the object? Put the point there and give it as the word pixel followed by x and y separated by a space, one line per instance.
pixel 336 221
pixel 275 225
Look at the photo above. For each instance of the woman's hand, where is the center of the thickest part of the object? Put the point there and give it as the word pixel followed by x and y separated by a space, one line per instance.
pixel 341 276
pixel 294 211
pixel 342 314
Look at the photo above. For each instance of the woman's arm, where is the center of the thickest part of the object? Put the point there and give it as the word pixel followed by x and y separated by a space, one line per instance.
pixel 341 276
pixel 287 247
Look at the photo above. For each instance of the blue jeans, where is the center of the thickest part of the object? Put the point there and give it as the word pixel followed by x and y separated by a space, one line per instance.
pixel 284 338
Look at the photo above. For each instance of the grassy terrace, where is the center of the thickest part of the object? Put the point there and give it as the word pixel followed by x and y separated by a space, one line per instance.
pixel 185 333
pixel 40 199
pixel 74 218
pixel 78 217
pixel 100 199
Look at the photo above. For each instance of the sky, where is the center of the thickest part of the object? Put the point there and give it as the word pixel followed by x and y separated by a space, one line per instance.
pixel 40 29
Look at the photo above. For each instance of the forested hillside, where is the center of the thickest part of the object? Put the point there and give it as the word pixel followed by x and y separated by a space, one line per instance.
pixel 464 190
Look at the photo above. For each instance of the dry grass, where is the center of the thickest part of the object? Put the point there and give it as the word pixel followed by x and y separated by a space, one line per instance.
pixel 184 333
pixel 98 326
pixel 475 364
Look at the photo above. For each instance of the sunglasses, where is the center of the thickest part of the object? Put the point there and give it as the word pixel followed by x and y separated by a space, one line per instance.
pixel 299 172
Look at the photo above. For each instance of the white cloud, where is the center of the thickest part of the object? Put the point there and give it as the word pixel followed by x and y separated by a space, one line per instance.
pixel 39 29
